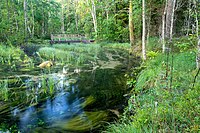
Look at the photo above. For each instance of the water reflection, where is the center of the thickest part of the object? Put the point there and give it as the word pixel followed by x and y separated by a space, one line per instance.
pixel 64 104
pixel 71 106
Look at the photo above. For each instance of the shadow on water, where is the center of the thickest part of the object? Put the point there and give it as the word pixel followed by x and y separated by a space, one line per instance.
pixel 58 102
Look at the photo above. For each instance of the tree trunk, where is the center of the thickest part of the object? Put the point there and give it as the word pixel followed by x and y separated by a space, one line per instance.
pixel 189 17
pixel 198 54
pixel 143 31
pixel 62 20
pixel 75 15
pixel 93 12
pixel 25 20
pixel 131 26
pixel 197 32
pixel 172 20
pixel 33 20
pixel 196 17
pixel 169 18
pixel 148 27
pixel 163 27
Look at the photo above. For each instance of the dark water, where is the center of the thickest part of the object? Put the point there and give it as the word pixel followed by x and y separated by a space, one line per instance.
pixel 55 102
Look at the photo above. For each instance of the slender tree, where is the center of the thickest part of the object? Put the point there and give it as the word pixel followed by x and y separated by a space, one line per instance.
pixel 92 8
pixel 169 18
pixel 62 18
pixel 25 20
pixel 163 27
pixel 198 53
pixel 131 26
pixel 143 31
pixel 172 19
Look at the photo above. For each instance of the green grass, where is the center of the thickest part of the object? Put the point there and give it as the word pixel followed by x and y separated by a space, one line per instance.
pixel 9 54
pixel 14 57
pixel 4 90
pixel 125 46
pixel 155 107
pixel 77 54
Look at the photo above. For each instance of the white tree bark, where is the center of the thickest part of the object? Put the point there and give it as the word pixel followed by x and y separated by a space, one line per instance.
pixel 25 18
pixel 172 20
pixel 163 27
pixel 33 20
pixel 143 31
pixel 198 54
pixel 131 26
pixel 169 18
pixel 92 8
pixel 93 12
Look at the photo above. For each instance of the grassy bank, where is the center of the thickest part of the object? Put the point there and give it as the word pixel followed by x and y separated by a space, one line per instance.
pixel 161 103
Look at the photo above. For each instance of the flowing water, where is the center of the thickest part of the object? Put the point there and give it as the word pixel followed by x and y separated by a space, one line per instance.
pixel 83 100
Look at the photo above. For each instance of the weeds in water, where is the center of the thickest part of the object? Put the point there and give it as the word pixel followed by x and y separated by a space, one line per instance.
pixel 125 46
pixel 10 54
pixel 4 90
pixel 73 54
pixel 51 86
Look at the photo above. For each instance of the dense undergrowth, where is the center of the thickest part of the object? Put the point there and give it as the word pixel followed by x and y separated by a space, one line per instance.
pixel 164 97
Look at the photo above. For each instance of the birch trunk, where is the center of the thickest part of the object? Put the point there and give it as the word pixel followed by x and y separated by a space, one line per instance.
pixel 172 20
pixel 143 31
pixel 197 31
pixel 25 19
pixel 198 54
pixel 33 20
pixel 196 18
pixel 163 28
pixel 93 12
pixel 131 26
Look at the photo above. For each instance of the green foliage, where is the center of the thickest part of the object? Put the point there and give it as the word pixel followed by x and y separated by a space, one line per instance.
pixel 154 107
pixel 122 128
pixel 76 54
pixel 152 54
pixel 125 46
pixel 11 55
pixel 154 44
pixel 4 90
pixel 185 43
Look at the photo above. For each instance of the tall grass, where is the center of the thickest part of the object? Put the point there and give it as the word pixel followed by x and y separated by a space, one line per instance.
pixel 125 46
pixel 13 57
pixel 155 107
pixel 4 90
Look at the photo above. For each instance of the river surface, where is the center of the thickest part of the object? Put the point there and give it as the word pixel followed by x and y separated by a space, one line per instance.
pixel 82 100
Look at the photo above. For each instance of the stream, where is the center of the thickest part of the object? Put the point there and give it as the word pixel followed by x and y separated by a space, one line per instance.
pixel 83 100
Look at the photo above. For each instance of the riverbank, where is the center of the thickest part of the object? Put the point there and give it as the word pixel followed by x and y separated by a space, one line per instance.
pixel 164 97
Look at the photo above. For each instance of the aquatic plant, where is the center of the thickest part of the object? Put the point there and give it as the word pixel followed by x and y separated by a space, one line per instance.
pixel 10 54
pixel 125 46
pixel 4 95
pixel 76 54
pixel 51 85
